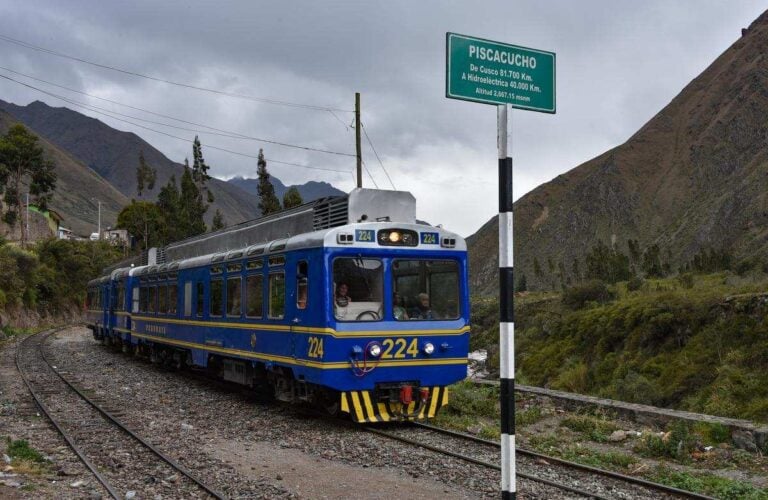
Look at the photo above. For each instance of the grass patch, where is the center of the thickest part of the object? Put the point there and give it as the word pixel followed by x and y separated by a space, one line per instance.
pixel 709 484
pixel 595 428
pixel 677 443
pixel 21 451
pixel 712 433
pixel 602 460
pixel 528 416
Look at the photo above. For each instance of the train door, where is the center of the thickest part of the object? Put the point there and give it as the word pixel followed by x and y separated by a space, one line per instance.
pixel 300 306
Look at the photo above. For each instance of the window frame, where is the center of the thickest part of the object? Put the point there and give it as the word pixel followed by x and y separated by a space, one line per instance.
pixel 228 301
pixel 219 280
pixel 271 275
pixel 428 286
pixel 260 278
pixel 383 270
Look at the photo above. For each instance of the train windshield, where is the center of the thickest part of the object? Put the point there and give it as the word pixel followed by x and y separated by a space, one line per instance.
pixel 358 289
pixel 425 289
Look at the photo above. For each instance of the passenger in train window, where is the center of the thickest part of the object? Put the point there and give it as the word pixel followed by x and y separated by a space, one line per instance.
pixel 423 309
pixel 301 297
pixel 342 297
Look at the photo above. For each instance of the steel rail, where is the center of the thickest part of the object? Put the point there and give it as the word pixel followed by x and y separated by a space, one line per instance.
pixel 567 463
pixel 489 465
pixel 175 465
pixel 104 482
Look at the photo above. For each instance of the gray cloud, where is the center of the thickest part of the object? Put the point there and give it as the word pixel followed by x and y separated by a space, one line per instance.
pixel 619 63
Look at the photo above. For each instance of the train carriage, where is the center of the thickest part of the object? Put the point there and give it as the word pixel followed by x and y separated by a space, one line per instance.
pixel 368 317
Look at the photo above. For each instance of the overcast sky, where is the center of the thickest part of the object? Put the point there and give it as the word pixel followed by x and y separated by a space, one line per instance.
pixel 618 63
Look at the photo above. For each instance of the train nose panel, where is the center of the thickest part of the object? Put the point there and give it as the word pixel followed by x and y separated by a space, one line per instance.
pixel 364 407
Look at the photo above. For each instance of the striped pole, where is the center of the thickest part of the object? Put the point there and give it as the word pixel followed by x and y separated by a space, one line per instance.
pixel 506 306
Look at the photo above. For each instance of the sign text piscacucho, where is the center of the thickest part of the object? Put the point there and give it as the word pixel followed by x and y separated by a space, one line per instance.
pixel 497 73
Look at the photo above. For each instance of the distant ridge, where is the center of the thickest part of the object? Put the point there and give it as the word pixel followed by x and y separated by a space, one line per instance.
pixel 78 189
pixel 694 177
pixel 114 154
pixel 309 191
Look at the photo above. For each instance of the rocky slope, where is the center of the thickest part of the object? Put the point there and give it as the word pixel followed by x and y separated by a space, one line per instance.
pixel 77 189
pixel 692 178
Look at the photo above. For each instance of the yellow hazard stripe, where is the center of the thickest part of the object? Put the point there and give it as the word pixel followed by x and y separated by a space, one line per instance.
pixel 344 403
pixel 383 413
pixel 358 408
pixel 369 406
pixel 433 401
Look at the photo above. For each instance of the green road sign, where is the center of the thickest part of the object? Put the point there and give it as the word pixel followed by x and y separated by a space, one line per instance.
pixel 497 73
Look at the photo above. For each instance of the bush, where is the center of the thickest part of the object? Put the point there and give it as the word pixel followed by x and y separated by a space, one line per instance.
pixel 578 296
pixel 635 284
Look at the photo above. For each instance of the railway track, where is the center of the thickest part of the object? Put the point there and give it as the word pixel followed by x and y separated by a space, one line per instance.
pixel 120 460
pixel 574 478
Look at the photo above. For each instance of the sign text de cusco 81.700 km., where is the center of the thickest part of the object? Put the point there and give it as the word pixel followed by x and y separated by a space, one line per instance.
pixel 497 73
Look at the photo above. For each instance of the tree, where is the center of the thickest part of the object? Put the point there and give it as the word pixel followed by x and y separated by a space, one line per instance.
pixel 200 170
pixel 292 198
pixel 268 202
pixel 218 221
pixel 144 221
pixel 22 162
pixel 169 203
pixel 193 207
pixel 145 175
pixel 606 264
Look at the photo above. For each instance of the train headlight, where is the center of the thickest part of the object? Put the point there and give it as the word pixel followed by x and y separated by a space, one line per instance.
pixel 394 237
pixel 428 348
pixel 374 350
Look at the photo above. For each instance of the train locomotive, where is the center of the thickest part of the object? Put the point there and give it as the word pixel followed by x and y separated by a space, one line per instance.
pixel 348 303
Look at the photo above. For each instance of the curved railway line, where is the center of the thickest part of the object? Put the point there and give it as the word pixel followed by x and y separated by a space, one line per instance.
pixel 548 470
pixel 119 459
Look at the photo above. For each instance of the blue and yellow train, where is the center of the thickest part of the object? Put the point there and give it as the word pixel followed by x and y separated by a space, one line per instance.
pixel 368 315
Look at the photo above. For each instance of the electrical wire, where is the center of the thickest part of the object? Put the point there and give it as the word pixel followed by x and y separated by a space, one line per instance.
pixel 28 45
pixel 110 115
pixel 369 174
pixel 213 130
pixel 377 156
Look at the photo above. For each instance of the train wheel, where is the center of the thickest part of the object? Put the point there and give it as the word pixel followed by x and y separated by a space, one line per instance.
pixel 328 401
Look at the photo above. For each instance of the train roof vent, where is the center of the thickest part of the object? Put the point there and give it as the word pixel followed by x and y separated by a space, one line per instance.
pixel 331 212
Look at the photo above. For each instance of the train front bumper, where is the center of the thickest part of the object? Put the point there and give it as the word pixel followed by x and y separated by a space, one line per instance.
pixel 363 406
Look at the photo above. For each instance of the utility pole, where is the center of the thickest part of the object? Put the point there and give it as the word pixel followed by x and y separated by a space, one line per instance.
pixel 357 141
pixel 24 242
pixel 99 219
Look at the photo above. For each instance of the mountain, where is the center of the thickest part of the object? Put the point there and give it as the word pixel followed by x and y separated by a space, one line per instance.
pixel 113 154
pixel 78 188
pixel 309 191
pixel 693 178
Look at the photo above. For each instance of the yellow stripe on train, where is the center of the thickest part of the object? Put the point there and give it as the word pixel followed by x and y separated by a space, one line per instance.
pixel 363 408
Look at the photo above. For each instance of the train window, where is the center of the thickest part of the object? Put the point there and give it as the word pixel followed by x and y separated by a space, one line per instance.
pixel 217 298
pixel 188 299
pixel 255 264
pixel 254 295
pixel 162 295
pixel 143 294
pixel 234 268
pixel 358 289
pixel 152 301
pixel 277 295
pixel 135 299
pixel 234 294
pixel 276 260
pixel 200 298
pixel 425 289
pixel 120 297
pixel 302 284
pixel 173 299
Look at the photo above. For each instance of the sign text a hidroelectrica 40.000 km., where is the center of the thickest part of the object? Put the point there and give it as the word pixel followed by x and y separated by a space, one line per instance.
pixel 497 73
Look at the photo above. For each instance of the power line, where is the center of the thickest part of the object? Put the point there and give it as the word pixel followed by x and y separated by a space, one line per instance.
pixel 216 131
pixel 28 45
pixel 111 113
pixel 377 156
pixel 369 174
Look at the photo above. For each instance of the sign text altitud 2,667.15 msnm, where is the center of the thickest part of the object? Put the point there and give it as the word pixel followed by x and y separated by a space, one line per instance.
pixel 496 73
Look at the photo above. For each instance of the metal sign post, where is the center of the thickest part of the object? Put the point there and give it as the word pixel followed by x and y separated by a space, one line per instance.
pixel 506 304
pixel 509 76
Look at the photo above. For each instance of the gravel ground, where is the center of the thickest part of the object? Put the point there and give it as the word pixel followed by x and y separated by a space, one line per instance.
pixel 64 476
pixel 593 483
pixel 243 448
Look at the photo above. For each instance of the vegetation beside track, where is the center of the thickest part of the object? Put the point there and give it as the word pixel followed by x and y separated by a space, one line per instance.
pixel 49 278
pixel 696 342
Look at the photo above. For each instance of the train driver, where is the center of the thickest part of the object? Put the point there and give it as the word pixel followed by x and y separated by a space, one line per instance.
pixel 422 309
pixel 342 295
